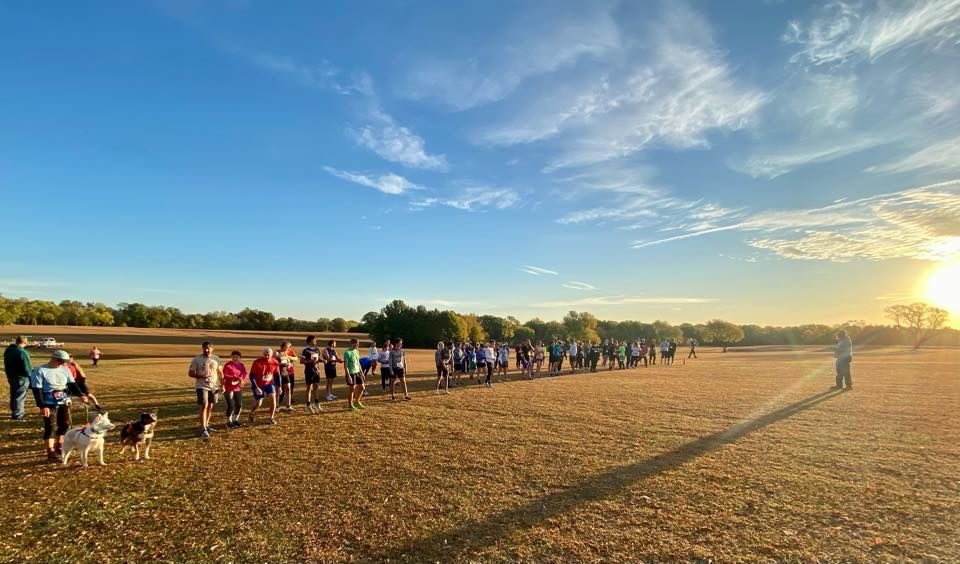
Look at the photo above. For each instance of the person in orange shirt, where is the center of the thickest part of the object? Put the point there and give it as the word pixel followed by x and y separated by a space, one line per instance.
pixel 262 383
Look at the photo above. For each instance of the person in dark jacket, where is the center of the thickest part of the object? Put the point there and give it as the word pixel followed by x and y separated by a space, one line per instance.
pixel 17 365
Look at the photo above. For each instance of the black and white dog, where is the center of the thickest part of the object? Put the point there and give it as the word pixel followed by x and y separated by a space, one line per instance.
pixel 139 434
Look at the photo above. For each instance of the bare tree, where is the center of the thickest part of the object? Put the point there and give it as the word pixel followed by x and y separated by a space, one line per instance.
pixel 921 319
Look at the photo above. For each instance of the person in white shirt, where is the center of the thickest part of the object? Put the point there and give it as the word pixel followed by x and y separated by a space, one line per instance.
pixel 374 356
pixel 572 354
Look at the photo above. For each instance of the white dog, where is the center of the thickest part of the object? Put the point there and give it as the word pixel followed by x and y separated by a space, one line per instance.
pixel 87 438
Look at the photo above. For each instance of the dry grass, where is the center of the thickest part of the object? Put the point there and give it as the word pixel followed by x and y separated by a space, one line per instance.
pixel 738 456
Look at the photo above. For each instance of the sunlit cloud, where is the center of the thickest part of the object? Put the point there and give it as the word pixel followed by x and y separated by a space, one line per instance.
pixel 600 301
pixel 574 285
pixel 537 271
pixel 387 183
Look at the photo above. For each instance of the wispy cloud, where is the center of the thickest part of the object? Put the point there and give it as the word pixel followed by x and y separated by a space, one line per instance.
pixel 537 271
pixel 670 91
pixel 573 285
pixel 472 198
pixel 844 32
pixel 942 156
pixel 920 223
pixel 394 142
pixel 387 183
pixel 620 300
pixel 538 43
pixel 772 165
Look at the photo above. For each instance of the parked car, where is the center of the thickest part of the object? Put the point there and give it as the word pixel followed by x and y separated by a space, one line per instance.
pixel 49 343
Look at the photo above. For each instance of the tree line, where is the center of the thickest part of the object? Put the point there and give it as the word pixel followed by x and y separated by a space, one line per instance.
pixel 915 324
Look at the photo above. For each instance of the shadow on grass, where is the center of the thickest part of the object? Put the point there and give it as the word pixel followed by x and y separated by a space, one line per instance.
pixel 475 534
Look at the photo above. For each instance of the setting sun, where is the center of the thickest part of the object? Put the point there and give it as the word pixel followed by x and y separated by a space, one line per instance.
pixel 943 288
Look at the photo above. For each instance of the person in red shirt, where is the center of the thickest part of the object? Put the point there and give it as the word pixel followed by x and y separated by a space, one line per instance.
pixel 81 380
pixel 234 375
pixel 262 384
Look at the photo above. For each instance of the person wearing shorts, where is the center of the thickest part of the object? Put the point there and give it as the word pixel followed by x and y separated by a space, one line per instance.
pixel 442 359
pixel 354 375
pixel 330 361
pixel 234 375
pixel 207 372
pixel 503 362
pixel 262 383
pixel 398 369
pixel 288 369
pixel 51 384
pixel 374 356
pixel 310 359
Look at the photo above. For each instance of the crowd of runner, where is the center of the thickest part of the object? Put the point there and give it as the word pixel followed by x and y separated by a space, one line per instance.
pixel 271 376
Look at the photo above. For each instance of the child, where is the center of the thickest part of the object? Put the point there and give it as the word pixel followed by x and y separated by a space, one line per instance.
pixel 354 375
pixel 398 369
pixel 234 375
pixel 262 383
pixel 330 360
pixel 81 384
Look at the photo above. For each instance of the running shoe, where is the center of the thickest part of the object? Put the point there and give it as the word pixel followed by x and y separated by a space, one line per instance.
pixel 309 408
pixel 407 398
pixel 331 397
pixel 360 405
pixel 204 434
pixel 273 421
pixel 354 408
pixel 366 393
pixel 250 419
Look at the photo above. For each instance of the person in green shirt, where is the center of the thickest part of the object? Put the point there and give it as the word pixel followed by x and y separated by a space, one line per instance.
pixel 17 365
pixel 351 364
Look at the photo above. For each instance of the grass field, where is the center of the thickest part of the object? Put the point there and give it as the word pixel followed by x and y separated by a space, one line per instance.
pixel 741 456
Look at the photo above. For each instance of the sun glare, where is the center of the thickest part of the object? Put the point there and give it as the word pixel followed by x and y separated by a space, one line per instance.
pixel 943 288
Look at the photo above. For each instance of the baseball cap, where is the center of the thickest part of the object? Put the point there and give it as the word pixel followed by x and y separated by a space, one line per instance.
pixel 61 355
pixel 267 350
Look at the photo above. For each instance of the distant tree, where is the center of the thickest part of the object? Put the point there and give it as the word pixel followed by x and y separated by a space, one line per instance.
pixel 581 326
pixel 523 333
pixel 920 319
pixel 664 330
pixel 723 333
pixel 339 325
pixel 9 311
pixel 475 330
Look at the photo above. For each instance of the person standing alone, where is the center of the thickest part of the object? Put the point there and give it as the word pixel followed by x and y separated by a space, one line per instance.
pixel 17 365
pixel 844 355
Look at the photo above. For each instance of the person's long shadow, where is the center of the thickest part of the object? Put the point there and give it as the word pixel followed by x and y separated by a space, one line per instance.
pixel 478 533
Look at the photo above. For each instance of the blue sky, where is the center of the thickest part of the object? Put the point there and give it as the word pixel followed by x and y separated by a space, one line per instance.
pixel 770 162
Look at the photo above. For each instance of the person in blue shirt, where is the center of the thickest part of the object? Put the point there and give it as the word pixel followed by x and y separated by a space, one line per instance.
pixel 52 384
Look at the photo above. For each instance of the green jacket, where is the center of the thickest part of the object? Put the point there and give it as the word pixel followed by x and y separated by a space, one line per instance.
pixel 16 362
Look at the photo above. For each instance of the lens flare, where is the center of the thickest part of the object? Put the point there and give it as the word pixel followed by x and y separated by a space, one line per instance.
pixel 943 288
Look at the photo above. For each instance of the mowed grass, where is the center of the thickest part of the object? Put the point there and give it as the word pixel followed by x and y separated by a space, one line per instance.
pixel 736 456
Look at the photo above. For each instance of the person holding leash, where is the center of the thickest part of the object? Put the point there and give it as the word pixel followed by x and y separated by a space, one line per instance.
pixel 51 384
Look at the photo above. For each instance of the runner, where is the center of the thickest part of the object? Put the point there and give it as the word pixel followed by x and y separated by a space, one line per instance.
pixel 398 369
pixel 51 384
pixel 480 354
pixel 374 355
pixel 643 352
pixel 672 350
pixel 384 359
pixel 594 356
pixel 538 356
pixel 442 359
pixel 288 369
pixel 503 363
pixel 664 351
pixel 81 379
pixel 234 375
pixel 206 371
pixel 652 349
pixel 622 355
pixel 330 360
pixel 556 349
pixel 262 383
pixel 353 374
pixel 95 355
pixel 518 350
pixel 490 354
pixel 574 354
pixel 459 363
pixel 634 354
pixel 693 349
pixel 310 358
pixel 526 358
